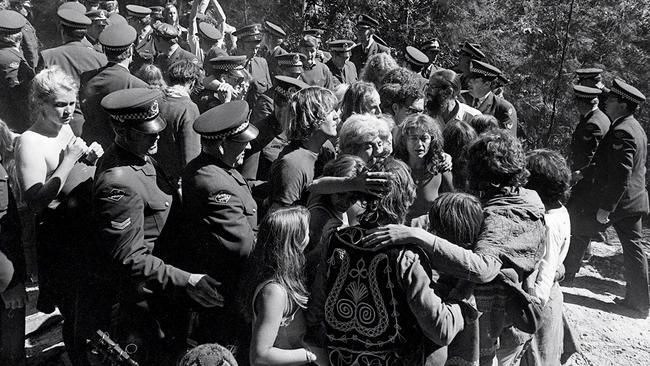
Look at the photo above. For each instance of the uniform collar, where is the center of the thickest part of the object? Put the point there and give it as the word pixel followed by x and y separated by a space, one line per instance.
pixel 135 162
pixel 233 172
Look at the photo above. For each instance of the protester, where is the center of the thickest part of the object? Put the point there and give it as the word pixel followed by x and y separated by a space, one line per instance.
pixel 274 291
pixel 419 144
pixel 417 324
pixel 377 67
pixel 361 97
pixel 457 136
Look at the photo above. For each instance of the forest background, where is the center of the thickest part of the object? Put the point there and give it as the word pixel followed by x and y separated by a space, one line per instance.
pixel 537 43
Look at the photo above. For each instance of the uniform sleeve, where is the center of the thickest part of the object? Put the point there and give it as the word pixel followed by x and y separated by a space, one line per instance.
pixel 229 224
pixel 621 150
pixel 120 218
pixel 439 321
pixel 29 45
pixel 330 81
pixel 586 143
pixel 6 272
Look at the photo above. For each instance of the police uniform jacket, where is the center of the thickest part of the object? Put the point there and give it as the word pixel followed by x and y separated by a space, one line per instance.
pixel 263 106
pixel 501 109
pixel 95 86
pixel 221 216
pixel 131 203
pixel 272 61
pixel 29 44
pixel 259 70
pixel 585 139
pixel 164 61
pixel 257 161
pixel 346 75
pixel 15 75
pixel 618 169
pixel 360 55
pixel 74 58
pixel 318 75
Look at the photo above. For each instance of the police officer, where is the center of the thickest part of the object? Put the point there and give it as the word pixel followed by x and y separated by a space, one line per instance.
pixel 248 43
pixel 432 49
pixel 592 77
pixel 135 208
pixel 415 60
pixel 366 45
pixel 74 57
pixel 468 52
pixel 30 42
pixel 165 37
pixel 272 39
pixel 227 70
pixel 590 130
pixel 117 43
pixel 618 195
pixel 207 37
pixel 221 215
pixel 99 22
pixel 480 78
pixel 315 73
pixel 267 146
pixel 15 72
pixel 340 65
pixel 321 55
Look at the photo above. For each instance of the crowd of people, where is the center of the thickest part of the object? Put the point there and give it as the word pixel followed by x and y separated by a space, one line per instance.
pixel 199 184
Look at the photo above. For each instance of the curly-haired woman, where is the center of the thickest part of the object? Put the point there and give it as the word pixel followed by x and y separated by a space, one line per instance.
pixel 419 144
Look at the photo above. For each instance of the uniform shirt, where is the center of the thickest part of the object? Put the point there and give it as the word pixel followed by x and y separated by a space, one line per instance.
pixel 177 54
pixel 131 203
pixel 259 70
pixel 361 54
pixel 498 107
pixel 95 86
pixel 346 75
pixel 618 169
pixel 178 143
pixel 318 75
pixel 221 216
pixel 15 75
pixel 272 61
pixel 585 139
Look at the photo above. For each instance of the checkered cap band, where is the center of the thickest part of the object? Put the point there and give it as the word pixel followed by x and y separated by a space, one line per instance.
pixel 140 116
pixel 295 61
pixel 233 131
pixel 626 95
pixel 482 72
pixel 228 67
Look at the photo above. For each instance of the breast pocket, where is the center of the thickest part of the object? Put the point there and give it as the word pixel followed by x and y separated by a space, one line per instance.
pixel 159 210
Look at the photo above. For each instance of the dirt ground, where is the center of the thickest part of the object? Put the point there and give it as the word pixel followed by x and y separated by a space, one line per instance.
pixel 608 333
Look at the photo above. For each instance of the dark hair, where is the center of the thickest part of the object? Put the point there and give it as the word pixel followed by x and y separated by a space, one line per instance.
pixel 376 68
pixel 456 217
pixel 354 99
pixel 400 94
pixel 549 176
pixel 419 124
pixel 446 80
pixel 400 75
pixel 457 136
pixel 278 256
pixel 183 72
pixel 496 160
pixel 484 122
pixel 309 108
pixel 344 165
pixel 391 207
pixel 118 56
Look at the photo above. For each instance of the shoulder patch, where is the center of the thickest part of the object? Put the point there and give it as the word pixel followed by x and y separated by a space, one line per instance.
pixel 509 112
pixel 115 194
pixel 14 65
pixel 221 197
pixel 117 225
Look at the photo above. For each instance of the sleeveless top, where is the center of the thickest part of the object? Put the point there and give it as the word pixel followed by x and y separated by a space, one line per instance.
pixel 292 328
